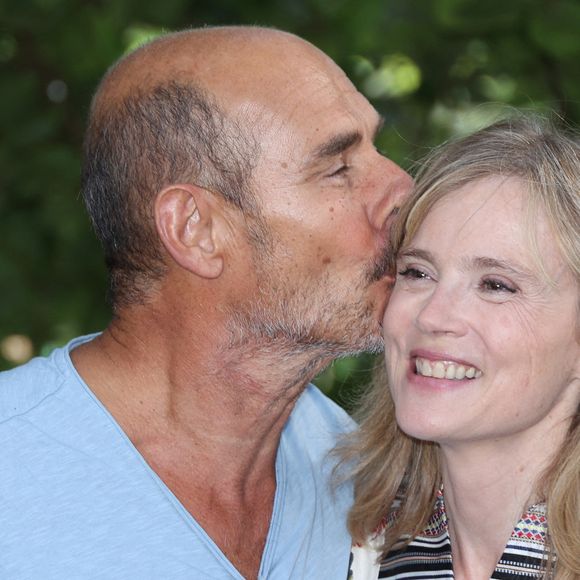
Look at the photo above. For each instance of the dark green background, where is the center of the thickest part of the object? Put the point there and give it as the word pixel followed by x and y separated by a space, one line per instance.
pixel 434 68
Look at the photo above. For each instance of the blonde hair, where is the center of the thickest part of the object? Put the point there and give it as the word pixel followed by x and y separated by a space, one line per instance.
pixel 388 464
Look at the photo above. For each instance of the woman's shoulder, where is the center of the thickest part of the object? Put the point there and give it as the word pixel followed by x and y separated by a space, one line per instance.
pixel 429 548
pixel 364 561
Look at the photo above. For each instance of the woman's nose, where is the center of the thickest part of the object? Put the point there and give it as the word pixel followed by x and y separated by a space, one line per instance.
pixel 443 312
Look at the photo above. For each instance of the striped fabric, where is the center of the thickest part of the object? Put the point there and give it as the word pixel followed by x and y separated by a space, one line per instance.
pixel 429 555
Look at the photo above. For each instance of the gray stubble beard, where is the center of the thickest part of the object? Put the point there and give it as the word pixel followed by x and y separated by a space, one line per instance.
pixel 295 319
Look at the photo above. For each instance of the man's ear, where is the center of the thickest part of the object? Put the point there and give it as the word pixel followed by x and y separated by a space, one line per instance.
pixel 188 221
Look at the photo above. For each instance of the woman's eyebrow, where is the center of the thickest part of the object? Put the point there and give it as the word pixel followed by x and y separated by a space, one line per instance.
pixel 475 263
pixel 417 253
pixel 486 262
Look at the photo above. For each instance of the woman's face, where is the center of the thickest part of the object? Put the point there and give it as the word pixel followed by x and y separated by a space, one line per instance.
pixel 478 344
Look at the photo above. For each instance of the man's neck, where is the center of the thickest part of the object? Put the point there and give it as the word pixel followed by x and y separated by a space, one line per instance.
pixel 206 418
pixel 187 382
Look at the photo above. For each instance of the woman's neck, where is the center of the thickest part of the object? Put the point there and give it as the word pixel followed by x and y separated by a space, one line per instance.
pixel 488 485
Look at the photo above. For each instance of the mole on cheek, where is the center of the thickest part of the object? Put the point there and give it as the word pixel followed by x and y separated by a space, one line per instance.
pixel 326 260
pixel 330 209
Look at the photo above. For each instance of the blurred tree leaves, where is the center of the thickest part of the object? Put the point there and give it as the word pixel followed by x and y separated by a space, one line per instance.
pixel 433 69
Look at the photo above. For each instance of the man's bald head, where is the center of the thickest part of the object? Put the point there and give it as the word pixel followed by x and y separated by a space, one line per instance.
pixel 173 112
pixel 224 60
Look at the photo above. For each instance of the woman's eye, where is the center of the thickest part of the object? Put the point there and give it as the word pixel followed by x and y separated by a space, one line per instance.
pixel 493 285
pixel 413 274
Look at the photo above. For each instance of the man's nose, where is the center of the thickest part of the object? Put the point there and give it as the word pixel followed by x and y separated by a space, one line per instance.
pixel 394 185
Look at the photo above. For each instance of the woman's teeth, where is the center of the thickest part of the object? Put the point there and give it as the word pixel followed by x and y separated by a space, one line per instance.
pixel 445 370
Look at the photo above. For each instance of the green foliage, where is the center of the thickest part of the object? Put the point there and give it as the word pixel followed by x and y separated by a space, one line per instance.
pixel 433 69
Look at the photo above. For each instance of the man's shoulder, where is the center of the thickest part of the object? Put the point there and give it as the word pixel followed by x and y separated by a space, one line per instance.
pixel 315 413
pixel 25 387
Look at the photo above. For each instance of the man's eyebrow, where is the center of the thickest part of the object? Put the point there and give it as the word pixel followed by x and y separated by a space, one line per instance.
pixel 340 143
pixel 379 127
pixel 336 145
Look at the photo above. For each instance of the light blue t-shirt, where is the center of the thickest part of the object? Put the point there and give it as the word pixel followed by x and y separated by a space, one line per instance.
pixel 78 501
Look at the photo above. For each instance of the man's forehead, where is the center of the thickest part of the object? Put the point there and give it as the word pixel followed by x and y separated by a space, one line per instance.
pixel 322 123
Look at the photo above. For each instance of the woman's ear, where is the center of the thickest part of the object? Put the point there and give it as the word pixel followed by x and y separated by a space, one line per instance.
pixel 188 220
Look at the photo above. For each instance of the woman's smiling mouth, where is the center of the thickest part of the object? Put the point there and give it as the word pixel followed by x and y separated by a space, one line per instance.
pixel 445 369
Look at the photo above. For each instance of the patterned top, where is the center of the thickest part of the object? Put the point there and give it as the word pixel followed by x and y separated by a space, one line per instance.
pixel 428 556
